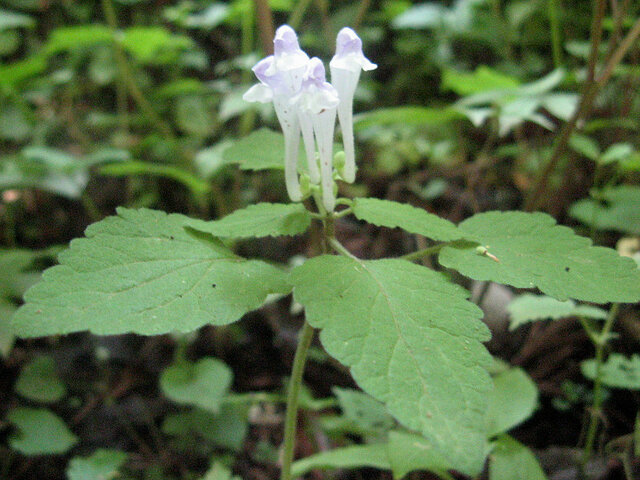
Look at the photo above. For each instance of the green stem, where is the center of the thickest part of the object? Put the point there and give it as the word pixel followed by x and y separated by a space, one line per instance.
pixel 592 429
pixel 339 248
pixel 306 336
pixel 298 13
pixel 127 76
pixel 425 252
pixel 556 38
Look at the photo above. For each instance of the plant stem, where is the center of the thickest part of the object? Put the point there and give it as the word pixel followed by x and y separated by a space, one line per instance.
pixel 556 38
pixel 291 418
pixel 590 92
pixel 425 252
pixel 127 76
pixel 592 429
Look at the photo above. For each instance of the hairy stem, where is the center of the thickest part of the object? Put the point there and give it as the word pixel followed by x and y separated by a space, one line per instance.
pixel 594 416
pixel 291 418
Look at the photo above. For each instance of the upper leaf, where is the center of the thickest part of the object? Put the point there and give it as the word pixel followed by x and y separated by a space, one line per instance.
pixel 260 220
pixel 385 213
pixel 530 251
pixel 412 341
pixel 142 272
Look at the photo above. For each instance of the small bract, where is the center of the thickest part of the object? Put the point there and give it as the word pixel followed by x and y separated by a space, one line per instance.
pixel 306 104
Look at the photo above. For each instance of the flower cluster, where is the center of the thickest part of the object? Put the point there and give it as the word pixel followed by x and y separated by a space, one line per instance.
pixel 306 104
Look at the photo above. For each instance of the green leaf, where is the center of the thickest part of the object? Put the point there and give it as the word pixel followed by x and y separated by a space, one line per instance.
pixel 408 452
pixel 202 384
pixel 121 169
pixel 262 149
pixel 227 429
pixel 411 115
pixel 617 372
pixel 12 74
pixel 219 472
pixel 10 20
pixel 39 381
pixel 260 220
pixel 617 152
pixel 363 410
pixel 585 146
pixel 102 464
pixel 412 341
pixel 374 455
pixel 513 399
pixel 142 272
pixel 14 277
pixel 385 213
pixel 6 332
pixel 530 308
pixel 510 460
pixel 40 432
pixel 153 44
pixel 76 38
pixel 528 250
pixel 484 78
pixel 614 208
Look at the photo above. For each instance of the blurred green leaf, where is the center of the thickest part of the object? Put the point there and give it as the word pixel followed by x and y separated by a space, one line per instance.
pixel 352 457
pixel 209 18
pixel 100 465
pixel 484 78
pixel 363 410
pixel 39 381
pixel 64 39
pixel 617 372
pixel 614 208
pixel 260 150
pixel 13 73
pixel 617 152
pixel 227 429
pixel 153 45
pixel 9 20
pixel 202 384
pixel 510 460
pixel 585 146
pixel 134 167
pixel 406 116
pixel 6 332
pixel 40 432
pixel 513 400
pixel 529 308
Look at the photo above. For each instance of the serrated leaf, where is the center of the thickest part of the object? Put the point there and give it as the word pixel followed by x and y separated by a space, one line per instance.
pixel 617 372
pixel 102 464
pixel 374 455
pixel 385 213
pixel 260 220
pixel 530 308
pixel 262 149
pixel 616 208
pixel 412 341
pixel 39 381
pixel 40 432
pixel 202 384
pixel 510 460
pixel 529 250
pixel 142 272
pixel 513 399
pixel 409 452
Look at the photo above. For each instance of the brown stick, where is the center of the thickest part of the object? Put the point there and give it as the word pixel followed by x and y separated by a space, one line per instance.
pixel 589 94
pixel 266 30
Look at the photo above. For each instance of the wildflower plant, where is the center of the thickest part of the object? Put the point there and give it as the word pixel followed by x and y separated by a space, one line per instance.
pixel 409 335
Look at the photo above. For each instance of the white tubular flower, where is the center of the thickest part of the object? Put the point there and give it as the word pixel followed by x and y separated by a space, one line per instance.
pixel 345 66
pixel 317 103
pixel 281 76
